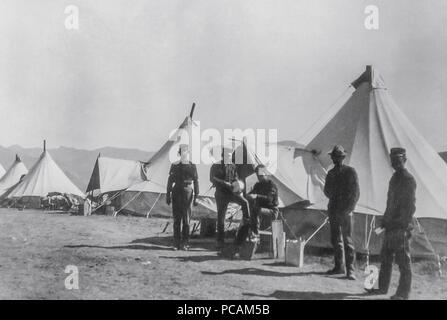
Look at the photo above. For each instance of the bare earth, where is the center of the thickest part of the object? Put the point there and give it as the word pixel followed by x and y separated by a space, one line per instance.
pixel 129 258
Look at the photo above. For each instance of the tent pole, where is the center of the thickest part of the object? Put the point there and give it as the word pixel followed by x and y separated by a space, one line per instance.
pixel 366 232
pixel 113 197
pixel 133 198
pixel 316 231
pixel 150 210
pixel 192 110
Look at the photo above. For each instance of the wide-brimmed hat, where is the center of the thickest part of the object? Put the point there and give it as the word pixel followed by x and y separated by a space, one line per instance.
pixel 338 151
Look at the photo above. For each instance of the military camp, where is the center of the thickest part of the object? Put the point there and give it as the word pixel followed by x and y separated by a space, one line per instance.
pixel 223 150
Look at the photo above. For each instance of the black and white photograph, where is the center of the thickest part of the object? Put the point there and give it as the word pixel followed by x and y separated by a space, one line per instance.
pixel 243 151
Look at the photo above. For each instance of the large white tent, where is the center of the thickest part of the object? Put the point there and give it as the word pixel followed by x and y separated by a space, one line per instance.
pixel 12 175
pixel 368 125
pixel 150 195
pixel 44 177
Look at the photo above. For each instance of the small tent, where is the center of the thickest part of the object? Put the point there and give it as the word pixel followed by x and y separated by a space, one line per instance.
pixel 368 125
pixel 111 175
pixel 44 177
pixel 13 175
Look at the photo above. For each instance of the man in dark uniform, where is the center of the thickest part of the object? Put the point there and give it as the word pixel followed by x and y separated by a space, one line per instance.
pixel 182 184
pixel 263 203
pixel 263 199
pixel 398 222
pixel 222 175
pixel 342 189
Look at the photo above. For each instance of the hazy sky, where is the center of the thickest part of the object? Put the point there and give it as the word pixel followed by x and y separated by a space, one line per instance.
pixel 130 73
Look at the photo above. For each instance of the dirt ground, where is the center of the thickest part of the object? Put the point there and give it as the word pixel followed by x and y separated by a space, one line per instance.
pixel 130 258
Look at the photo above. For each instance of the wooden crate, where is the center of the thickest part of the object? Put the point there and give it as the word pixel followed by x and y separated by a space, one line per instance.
pixel 294 253
pixel 278 240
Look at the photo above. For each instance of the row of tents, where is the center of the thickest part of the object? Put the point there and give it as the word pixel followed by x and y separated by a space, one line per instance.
pixel 368 124
pixel 26 189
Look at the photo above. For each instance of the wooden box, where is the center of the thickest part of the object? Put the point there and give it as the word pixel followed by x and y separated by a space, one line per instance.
pixel 278 239
pixel 295 253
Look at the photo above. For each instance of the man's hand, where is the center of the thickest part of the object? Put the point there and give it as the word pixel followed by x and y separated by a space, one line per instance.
pixel 195 203
pixel 168 199
pixel 251 196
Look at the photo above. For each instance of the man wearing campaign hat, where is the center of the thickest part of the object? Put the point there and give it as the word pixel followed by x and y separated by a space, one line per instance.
pixel 342 189
pixel 183 182
pixel 398 222
pixel 224 177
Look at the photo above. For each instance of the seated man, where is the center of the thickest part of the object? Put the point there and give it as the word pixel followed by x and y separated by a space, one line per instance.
pixel 263 201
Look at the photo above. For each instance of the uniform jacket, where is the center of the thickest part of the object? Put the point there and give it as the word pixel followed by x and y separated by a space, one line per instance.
pixel 401 202
pixel 226 172
pixel 267 194
pixel 342 189
pixel 181 173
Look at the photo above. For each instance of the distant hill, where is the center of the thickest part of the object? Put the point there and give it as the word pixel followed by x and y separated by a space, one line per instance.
pixel 76 163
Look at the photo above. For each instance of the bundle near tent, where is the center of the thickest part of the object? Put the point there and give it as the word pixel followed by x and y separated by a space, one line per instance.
pixel 43 178
pixel 12 175
pixel 367 126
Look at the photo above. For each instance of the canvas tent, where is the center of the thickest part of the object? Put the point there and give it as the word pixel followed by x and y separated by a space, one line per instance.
pixel 44 177
pixel 368 125
pixel 298 175
pixel 110 175
pixel 12 175
pixel 149 196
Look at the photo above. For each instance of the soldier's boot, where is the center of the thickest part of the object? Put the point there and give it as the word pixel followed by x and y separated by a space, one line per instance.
pixel 374 291
pixel 185 246
pixel 335 271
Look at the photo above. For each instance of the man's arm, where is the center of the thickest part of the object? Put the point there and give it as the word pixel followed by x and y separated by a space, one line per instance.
pixel 170 180
pixel 170 184
pixel 196 181
pixel 353 192
pixel 271 196
pixel 328 185
pixel 389 203
pixel 217 182
pixel 407 202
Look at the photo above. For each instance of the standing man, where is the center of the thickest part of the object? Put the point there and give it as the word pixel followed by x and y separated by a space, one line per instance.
pixel 342 189
pixel 222 175
pixel 398 223
pixel 182 178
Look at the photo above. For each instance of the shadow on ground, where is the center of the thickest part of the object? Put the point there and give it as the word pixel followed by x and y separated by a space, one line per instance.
pixel 254 272
pixel 308 295
pixel 195 258
pixel 195 243
pixel 129 247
